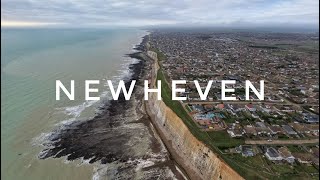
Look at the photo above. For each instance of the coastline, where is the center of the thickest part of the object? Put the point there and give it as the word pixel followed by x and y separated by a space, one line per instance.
pixel 196 158
pixel 188 173
pixel 119 137
pixel 32 114
pixel 172 154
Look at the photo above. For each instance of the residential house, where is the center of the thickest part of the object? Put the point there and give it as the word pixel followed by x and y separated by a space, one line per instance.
pixel 254 115
pixel 250 107
pixel 272 154
pixel 275 129
pixel 288 130
pixel 313 128
pixel 198 108
pixel 250 130
pixel 311 118
pixel 261 128
pixel 303 158
pixel 246 150
pixel 286 154
pixel 300 128
pixel 266 108
pixel 235 130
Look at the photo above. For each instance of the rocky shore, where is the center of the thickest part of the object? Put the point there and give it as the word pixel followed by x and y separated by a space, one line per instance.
pixel 120 139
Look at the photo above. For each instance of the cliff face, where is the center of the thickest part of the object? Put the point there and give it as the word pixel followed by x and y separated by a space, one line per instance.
pixel 197 159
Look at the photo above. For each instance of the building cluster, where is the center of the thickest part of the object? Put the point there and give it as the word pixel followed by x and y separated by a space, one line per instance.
pixel 281 154
pixel 289 70
pixel 304 155
pixel 290 73
pixel 208 117
pixel 257 121
pixel 253 120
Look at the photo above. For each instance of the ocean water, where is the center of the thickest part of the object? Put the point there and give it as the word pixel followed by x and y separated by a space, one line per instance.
pixel 31 61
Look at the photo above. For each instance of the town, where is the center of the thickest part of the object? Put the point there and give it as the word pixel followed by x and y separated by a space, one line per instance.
pixel 277 136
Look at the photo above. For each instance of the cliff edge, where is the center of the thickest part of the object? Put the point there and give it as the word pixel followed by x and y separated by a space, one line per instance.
pixel 199 161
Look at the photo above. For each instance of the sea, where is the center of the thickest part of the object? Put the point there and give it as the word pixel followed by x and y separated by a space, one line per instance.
pixel 32 59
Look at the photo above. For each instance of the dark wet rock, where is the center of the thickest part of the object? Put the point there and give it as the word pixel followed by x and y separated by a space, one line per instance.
pixel 112 135
pixel 101 137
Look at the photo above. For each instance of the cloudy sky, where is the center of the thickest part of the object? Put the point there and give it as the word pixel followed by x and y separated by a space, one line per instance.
pixel 159 12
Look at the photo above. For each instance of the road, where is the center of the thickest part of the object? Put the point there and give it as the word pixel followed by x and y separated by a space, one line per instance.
pixel 295 142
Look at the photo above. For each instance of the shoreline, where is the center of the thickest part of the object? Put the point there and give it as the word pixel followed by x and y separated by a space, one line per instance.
pixel 172 154
pixel 106 110
pixel 105 138
pixel 188 173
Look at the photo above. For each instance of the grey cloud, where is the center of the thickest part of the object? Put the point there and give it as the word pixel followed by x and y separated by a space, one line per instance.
pixel 157 12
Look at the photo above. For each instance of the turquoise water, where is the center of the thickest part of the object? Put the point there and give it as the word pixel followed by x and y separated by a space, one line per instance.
pixel 31 61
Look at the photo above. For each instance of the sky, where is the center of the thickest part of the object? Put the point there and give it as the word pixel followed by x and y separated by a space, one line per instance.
pixel 139 13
